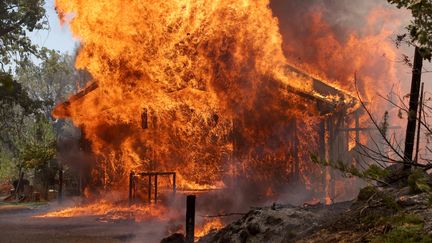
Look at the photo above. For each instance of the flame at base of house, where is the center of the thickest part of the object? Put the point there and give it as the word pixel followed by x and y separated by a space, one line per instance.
pixel 170 219
pixel 109 211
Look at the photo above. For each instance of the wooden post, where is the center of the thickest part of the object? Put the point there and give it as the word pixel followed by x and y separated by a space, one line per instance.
pixel 322 155
pixel 174 183
pixel 144 119
pixel 149 188
pixel 295 154
pixel 321 141
pixel 156 189
pixel 131 186
pixel 332 156
pixel 190 218
pixel 60 191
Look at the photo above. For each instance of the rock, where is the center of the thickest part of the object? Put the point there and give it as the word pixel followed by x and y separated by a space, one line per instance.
pixel 413 200
pixel 174 238
pixel 271 220
pixel 403 192
pixel 253 229
pixel 427 215
pixel 277 223
pixel 376 212
pixel 397 175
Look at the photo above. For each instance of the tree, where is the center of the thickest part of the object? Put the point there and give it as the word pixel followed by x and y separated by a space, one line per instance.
pixel 420 35
pixel 28 134
pixel 51 81
pixel 420 28
pixel 17 18
pixel 38 153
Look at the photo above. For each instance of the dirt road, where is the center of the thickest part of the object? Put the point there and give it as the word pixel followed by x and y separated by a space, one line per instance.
pixel 19 224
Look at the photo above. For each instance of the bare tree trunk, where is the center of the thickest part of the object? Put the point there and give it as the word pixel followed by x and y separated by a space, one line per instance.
pixel 413 107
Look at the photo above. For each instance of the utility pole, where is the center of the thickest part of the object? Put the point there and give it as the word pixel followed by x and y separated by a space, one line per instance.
pixel 413 109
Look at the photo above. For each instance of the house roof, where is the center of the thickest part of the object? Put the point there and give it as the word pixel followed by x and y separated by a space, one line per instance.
pixel 327 98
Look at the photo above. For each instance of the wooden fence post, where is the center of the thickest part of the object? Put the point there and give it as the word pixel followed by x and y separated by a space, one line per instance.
pixel 190 218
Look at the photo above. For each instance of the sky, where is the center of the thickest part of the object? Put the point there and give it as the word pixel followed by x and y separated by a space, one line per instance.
pixel 58 37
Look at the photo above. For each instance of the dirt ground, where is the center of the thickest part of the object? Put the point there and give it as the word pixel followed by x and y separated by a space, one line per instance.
pixel 18 224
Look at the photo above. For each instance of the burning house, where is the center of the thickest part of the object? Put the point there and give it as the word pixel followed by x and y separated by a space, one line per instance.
pixel 205 90
pixel 219 121
pixel 270 165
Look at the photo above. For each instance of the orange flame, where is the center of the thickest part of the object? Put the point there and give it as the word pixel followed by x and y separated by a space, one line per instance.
pixel 208 226
pixel 110 211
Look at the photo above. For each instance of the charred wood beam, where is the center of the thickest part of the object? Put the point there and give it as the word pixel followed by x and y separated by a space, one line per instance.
pixel 82 93
pixel 156 189
pixel 65 106
pixel 131 186
pixel 144 119
pixel 174 184
pixel 320 93
pixel 149 188
pixel 318 85
pixel 155 173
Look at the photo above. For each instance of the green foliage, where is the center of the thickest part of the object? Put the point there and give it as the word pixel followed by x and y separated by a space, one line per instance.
pixel 53 80
pixel 418 181
pixel 366 193
pixel 6 82
pixel 405 233
pixel 370 191
pixel 26 131
pixel 13 93
pixel 389 202
pixel 420 29
pixel 404 218
pixel 17 17
pixel 40 147
pixel 375 172
pixel 7 167
pixel 404 228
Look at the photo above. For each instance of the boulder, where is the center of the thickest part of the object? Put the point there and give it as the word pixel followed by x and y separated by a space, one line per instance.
pixel 174 238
